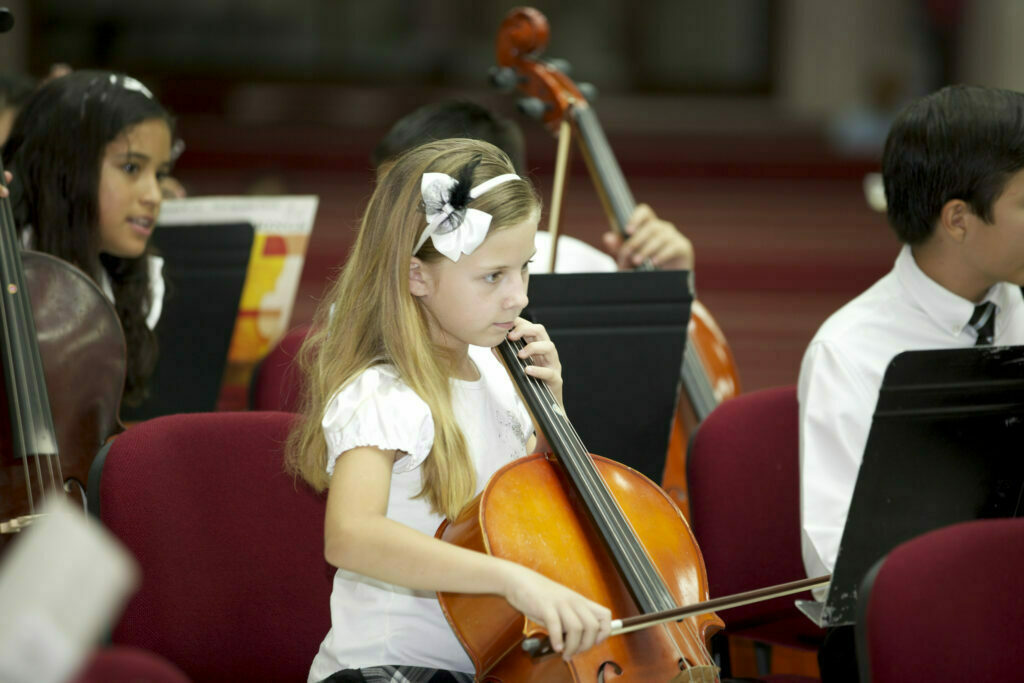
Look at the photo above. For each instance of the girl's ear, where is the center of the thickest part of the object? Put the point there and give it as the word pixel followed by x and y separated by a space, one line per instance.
pixel 420 282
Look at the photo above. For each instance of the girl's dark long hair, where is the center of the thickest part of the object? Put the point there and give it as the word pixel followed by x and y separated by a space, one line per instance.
pixel 55 151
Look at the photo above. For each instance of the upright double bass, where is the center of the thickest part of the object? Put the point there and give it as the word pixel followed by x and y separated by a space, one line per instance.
pixel 708 372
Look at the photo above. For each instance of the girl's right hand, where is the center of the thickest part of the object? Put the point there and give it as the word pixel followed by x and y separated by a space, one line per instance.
pixel 574 623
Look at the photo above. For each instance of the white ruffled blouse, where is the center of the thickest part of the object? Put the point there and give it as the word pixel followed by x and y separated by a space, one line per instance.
pixel 376 623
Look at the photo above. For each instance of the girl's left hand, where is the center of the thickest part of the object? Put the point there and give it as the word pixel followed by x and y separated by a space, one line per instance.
pixel 7 181
pixel 542 354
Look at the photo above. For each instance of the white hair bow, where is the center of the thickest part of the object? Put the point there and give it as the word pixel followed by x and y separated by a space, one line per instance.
pixel 454 230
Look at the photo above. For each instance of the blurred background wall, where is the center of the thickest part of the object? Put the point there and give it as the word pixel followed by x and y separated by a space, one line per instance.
pixel 748 123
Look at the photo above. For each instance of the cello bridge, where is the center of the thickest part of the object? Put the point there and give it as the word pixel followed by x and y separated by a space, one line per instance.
pixel 702 673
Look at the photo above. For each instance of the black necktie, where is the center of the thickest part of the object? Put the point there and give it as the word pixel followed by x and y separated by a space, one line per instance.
pixel 984 323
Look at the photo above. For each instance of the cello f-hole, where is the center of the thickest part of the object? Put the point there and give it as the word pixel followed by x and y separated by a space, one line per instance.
pixel 604 665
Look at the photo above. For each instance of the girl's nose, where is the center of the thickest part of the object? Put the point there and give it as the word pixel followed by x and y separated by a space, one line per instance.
pixel 152 194
pixel 517 297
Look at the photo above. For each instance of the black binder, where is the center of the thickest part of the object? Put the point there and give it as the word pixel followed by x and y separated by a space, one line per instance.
pixel 204 271
pixel 944 447
pixel 620 337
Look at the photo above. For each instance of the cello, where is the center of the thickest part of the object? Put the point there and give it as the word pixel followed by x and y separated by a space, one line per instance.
pixel 708 373
pixel 604 530
pixel 63 355
pixel 598 527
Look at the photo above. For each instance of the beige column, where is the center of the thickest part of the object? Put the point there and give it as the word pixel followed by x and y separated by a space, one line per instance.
pixel 829 50
pixel 992 52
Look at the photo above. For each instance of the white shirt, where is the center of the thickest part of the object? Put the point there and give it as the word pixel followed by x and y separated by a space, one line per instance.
pixel 841 375
pixel 574 256
pixel 156 289
pixel 375 623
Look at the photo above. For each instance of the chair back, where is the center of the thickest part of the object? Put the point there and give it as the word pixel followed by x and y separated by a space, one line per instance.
pixel 121 664
pixel 276 381
pixel 743 483
pixel 234 581
pixel 946 606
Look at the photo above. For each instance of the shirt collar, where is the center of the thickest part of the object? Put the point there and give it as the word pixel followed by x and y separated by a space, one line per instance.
pixel 950 310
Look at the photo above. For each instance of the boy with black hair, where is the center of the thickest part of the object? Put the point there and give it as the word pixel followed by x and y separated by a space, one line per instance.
pixel 953 169
pixel 451 119
pixel 649 236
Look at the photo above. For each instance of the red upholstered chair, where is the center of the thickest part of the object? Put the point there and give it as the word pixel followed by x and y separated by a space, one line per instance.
pixel 234 582
pixel 743 481
pixel 276 379
pixel 946 606
pixel 121 664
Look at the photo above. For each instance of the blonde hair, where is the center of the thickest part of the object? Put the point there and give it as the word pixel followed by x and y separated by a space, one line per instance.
pixel 370 317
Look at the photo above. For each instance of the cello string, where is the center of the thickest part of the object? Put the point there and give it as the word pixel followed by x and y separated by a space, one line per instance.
pixel 25 367
pixel 45 434
pixel 613 173
pixel 574 448
pixel 623 204
pixel 629 540
pixel 607 167
pixel 30 377
pixel 33 384
pixel 614 523
pixel 597 161
pixel 701 392
pixel 588 488
pixel 11 366
pixel 19 333
pixel 653 580
pixel 537 386
pixel 606 507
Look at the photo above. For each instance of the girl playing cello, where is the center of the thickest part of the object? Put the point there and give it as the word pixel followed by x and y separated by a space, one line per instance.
pixel 409 413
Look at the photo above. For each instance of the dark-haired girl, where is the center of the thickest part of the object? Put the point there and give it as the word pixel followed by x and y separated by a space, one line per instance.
pixel 88 151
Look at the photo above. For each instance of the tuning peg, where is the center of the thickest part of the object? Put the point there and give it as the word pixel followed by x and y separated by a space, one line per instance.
pixel 588 90
pixel 559 64
pixel 504 78
pixel 532 106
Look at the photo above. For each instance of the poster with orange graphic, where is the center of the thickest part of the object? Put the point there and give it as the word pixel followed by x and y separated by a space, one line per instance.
pixel 282 226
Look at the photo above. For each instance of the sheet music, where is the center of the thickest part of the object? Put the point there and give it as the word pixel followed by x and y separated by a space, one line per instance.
pixel 283 225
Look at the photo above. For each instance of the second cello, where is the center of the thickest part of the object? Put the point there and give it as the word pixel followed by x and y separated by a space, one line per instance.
pixel 708 373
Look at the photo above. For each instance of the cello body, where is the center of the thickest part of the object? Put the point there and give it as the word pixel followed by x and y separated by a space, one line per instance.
pixel 529 515
pixel 82 349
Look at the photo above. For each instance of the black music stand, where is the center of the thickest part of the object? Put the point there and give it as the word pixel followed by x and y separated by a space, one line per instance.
pixel 944 447
pixel 620 337
pixel 204 268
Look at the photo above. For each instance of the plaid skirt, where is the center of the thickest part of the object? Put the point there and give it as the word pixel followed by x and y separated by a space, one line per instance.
pixel 398 674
